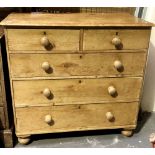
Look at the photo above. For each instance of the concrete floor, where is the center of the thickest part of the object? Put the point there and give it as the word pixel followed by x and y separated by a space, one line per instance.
pixel 98 139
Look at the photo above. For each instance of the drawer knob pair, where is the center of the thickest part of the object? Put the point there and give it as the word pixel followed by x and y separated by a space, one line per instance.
pixel 110 116
pixel 112 91
pixel 48 119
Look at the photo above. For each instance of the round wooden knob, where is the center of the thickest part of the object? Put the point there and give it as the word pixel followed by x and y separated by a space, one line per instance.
pixel 45 41
pixel 118 64
pixel 116 41
pixel 45 66
pixel 48 119
pixel 47 92
pixel 112 90
pixel 109 116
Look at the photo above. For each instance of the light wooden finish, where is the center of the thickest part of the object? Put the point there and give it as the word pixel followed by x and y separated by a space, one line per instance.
pixel 116 41
pixel 48 119
pixel 74 20
pixel 110 116
pixel 67 65
pixel 75 117
pixel 29 39
pixel 127 132
pixel 101 39
pixel 75 91
pixel 24 140
pixel 72 72
pixel 112 90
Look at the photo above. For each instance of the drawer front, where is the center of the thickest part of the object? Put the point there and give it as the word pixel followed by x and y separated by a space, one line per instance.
pixel 76 91
pixel 101 39
pixel 2 118
pixel 66 65
pixel 75 117
pixel 43 40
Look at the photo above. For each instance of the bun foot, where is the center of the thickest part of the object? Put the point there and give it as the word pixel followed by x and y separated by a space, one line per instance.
pixel 127 132
pixel 23 140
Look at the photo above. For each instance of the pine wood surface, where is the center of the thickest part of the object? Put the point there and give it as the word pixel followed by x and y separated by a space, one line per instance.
pixel 68 65
pixel 75 117
pixel 74 19
pixel 75 91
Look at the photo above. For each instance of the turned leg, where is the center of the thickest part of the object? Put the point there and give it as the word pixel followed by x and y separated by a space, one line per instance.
pixel 127 132
pixel 24 139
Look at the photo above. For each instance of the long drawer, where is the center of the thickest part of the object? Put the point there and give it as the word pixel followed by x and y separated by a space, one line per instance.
pixel 76 91
pixel 67 65
pixel 30 39
pixel 34 120
pixel 101 39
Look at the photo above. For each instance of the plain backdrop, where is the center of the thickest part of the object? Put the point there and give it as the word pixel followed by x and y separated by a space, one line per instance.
pixel 148 98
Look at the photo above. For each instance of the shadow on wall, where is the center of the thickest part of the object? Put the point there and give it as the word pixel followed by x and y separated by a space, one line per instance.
pixel 148 98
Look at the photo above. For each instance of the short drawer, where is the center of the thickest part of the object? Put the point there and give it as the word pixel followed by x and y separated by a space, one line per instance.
pixel 67 65
pixel 43 40
pixel 105 39
pixel 76 91
pixel 2 118
pixel 34 120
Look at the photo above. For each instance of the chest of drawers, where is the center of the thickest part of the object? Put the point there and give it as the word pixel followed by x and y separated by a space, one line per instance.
pixel 72 72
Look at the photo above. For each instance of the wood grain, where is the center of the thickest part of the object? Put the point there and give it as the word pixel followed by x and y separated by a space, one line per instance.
pixel 2 118
pixel 74 20
pixel 101 39
pixel 30 39
pixel 75 117
pixel 67 65
pixel 75 91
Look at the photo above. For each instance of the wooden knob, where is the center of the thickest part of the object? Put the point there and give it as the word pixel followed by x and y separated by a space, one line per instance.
pixel 112 90
pixel 45 41
pixel 109 116
pixel 116 41
pixel 118 65
pixel 47 92
pixel 48 119
pixel 45 66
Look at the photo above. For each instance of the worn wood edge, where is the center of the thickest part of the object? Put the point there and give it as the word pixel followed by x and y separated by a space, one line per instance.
pixel 5 104
pixel 75 77
pixel 78 52
pixel 138 21
pixel 11 83
pixel 81 40
pixel 132 126
pixel 72 77
pixel 77 103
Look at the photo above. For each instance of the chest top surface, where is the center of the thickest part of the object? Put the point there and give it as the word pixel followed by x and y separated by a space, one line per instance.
pixel 75 20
